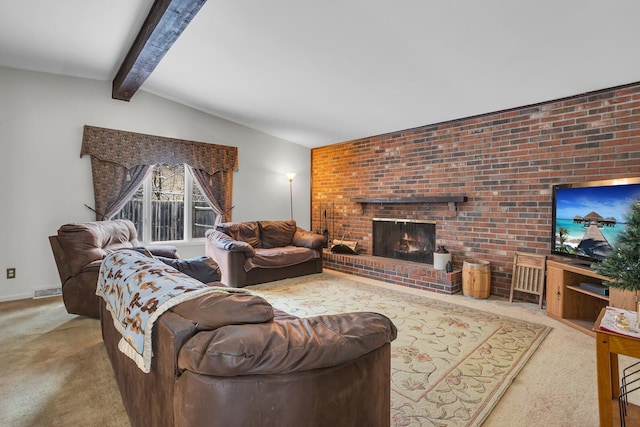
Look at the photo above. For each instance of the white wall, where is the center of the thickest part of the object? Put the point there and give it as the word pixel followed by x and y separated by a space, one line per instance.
pixel 45 183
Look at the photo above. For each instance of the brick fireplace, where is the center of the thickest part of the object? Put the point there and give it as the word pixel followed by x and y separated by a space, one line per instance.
pixel 503 164
pixel 394 250
pixel 402 239
pixel 402 254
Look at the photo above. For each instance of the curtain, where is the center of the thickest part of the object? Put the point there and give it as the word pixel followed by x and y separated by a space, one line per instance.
pixel 113 186
pixel 217 189
pixel 121 160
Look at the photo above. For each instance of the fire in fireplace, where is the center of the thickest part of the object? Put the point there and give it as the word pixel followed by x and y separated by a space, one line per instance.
pixel 405 239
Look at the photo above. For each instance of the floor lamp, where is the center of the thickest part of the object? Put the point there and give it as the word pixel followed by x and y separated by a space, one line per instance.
pixel 290 176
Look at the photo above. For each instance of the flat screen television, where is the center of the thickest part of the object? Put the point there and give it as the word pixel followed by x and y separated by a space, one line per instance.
pixel 589 216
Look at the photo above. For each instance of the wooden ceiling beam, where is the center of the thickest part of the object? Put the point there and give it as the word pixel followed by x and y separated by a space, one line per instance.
pixel 167 19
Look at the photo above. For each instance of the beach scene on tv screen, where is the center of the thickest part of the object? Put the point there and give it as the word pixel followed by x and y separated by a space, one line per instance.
pixel 590 219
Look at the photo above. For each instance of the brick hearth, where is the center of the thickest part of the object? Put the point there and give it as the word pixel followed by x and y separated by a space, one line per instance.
pixel 405 273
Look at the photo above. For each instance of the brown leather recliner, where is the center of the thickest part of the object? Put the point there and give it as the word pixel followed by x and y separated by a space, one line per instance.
pixel 78 250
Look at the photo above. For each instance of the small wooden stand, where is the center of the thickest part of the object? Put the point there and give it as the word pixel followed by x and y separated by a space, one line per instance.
pixel 608 346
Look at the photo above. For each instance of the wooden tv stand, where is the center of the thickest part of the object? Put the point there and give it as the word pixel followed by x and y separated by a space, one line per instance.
pixel 577 307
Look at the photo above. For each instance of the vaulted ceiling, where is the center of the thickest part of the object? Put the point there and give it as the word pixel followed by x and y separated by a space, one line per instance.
pixel 317 73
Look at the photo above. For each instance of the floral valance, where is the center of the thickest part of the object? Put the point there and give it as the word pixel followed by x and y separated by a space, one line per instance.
pixel 131 149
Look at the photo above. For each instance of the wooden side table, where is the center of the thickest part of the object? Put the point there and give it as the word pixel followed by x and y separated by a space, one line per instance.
pixel 608 346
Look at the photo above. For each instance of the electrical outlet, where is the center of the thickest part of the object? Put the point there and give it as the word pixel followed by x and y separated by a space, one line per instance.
pixel 11 273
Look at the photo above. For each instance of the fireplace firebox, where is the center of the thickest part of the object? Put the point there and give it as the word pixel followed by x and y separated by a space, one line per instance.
pixel 404 239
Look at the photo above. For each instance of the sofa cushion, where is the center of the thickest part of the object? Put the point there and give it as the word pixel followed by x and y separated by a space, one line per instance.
pixel 248 232
pixel 279 257
pixel 285 345
pixel 276 234
pixel 203 268
pixel 215 310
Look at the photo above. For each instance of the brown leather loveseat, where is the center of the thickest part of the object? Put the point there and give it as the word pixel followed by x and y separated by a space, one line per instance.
pixel 255 252
pixel 231 360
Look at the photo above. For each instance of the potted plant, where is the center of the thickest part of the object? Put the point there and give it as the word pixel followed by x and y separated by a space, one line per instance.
pixel 623 265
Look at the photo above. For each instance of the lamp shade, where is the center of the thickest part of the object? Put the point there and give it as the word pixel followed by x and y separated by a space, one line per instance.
pixel 290 175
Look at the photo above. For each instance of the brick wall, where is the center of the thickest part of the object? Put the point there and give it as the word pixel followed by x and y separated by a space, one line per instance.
pixel 504 162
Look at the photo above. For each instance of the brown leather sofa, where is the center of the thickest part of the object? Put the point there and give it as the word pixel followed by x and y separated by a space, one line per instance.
pixel 254 252
pixel 78 250
pixel 231 360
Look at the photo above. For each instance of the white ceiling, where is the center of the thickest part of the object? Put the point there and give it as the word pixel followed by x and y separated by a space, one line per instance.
pixel 320 72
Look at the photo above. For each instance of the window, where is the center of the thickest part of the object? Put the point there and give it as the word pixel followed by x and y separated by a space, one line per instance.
pixel 169 206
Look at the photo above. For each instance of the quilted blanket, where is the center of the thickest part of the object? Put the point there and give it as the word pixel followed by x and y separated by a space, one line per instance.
pixel 137 289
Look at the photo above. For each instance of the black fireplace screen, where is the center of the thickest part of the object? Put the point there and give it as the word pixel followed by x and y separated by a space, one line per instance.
pixel 404 239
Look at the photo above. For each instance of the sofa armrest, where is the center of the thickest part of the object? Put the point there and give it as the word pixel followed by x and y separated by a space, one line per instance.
pixel 307 239
pixel 231 263
pixel 223 241
pixel 148 398
pixel 286 345
pixel 60 258
pixel 165 251
pixel 202 268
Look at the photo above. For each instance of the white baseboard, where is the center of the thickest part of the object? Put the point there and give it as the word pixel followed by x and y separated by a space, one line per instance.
pixel 16 297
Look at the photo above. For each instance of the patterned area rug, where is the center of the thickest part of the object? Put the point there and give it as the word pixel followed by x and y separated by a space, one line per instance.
pixel 450 364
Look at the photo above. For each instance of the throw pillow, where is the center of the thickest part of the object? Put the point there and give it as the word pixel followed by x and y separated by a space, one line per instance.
pixel 243 231
pixel 276 234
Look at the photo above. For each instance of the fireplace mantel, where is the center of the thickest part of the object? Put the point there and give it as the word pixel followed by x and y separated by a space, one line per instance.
pixel 451 200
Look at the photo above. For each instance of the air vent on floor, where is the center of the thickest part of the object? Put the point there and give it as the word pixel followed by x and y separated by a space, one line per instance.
pixel 44 293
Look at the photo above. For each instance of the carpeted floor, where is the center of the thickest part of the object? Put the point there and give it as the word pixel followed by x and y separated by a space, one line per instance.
pixel 54 370
pixel 450 364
